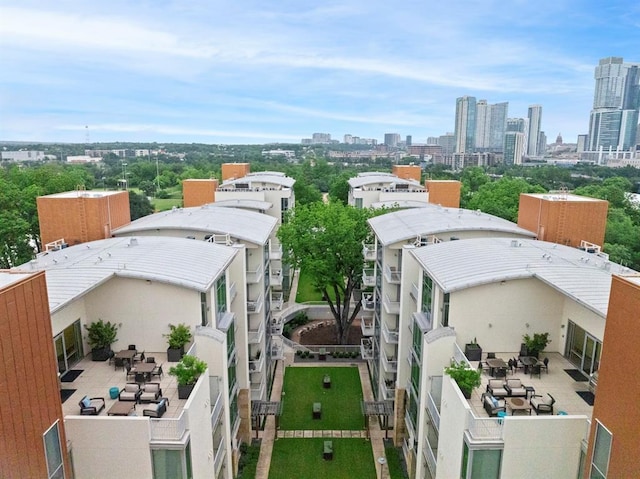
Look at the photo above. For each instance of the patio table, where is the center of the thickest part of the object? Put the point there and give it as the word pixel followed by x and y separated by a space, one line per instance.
pixel 496 363
pixel 121 408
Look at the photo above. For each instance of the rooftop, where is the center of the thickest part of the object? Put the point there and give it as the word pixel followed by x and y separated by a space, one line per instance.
pixel 585 277
pixel 563 197
pixel 8 278
pixel 270 177
pixel 433 219
pixel 242 224
pixel 247 204
pixel 73 271
pixel 381 178
pixel 84 194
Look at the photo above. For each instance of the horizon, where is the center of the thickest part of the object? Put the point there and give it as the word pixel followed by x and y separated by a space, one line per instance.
pixel 217 73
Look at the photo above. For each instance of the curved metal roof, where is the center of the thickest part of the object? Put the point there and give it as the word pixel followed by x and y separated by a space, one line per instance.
pixel 239 223
pixel 74 271
pixel 433 219
pixel 384 178
pixel 244 204
pixel 263 177
pixel 584 277
pixel 400 204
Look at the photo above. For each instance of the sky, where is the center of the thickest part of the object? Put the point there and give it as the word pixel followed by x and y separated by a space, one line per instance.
pixel 246 71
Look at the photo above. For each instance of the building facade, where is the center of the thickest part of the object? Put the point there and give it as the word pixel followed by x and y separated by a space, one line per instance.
pixel 465 128
pixel 533 136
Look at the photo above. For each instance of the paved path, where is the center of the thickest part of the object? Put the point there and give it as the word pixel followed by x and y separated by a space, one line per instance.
pixel 269 434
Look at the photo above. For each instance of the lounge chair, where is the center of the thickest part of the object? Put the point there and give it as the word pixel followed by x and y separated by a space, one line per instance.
pixel 157 409
pixel 515 388
pixel 542 405
pixel 496 388
pixel 493 405
pixel 130 392
pixel 91 406
pixel 150 392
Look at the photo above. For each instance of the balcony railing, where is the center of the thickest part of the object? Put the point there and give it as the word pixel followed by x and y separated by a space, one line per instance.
pixel 391 307
pixel 254 276
pixel 256 365
pixel 276 326
pixel 390 336
pixel 369 277
pixel 276 350
pixel 389 362
pixel 275 279
pixel 256 333
pixel 233 292
pixel 433 411
pixel 277 300
pixel 368 304
pixel 459 356
pixel 275 252
pixel 216 410
pixel 389 393
pixel 484 428
pixel 258 389
pixel 255 306
pixel 429 457
pixel 366 348
pixel 414 292
pixel 366 324
pixel 369 252
pixel 392 274
pixel 169 429
pixel 218 458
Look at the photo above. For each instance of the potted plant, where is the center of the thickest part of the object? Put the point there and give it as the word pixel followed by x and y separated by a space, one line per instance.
pixel 187 372
pixel 179 336
pixel 473 351
pixel 466 378
pixel 101 335
pixel 535 344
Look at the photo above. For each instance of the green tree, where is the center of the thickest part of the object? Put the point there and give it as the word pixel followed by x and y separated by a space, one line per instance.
pixel 147 187
pixel 139 205
pixel 339 189
pixel 501 198
pixel 325 239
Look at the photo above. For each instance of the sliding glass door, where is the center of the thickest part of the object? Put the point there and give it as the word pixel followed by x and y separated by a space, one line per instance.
pixel 68 346
pixel 583 350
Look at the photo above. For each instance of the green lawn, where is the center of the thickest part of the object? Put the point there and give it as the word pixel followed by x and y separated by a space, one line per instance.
pixel 306 291
pixel 393 463
pixel 163 204
pixel 302 459
pixel 341 409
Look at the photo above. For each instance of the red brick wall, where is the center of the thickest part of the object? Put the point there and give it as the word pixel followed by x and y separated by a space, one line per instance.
pixel 445 193
pixel 198 192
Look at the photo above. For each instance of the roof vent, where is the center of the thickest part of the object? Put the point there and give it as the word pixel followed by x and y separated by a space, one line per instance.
pixel 133 242
pixel 514 243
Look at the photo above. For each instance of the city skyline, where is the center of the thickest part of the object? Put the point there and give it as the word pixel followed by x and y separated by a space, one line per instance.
pixel 254 73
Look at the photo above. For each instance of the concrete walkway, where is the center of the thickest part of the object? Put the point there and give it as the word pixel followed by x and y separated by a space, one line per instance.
pixel 269 435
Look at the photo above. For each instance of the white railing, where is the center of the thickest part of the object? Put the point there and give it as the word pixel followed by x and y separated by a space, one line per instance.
pixel 369 252
pixel 390 336
pixel 366 324
pixel 389 393
pixel 276 350
pixel 414 292
pixel 366 348
pixel 433 411
pixel 389 363
pixel 254 276
pixel 233 292
pixel 277 300
pixel 276 326
pixel 256 334
pixel 257 390
pixel 256 365
pixel 391 307
pixel 168 429
pixel 368 304
pixel 392 274
pixel 55 245
pixel 484 428
pixel 255 306
pixel 216 410
pixel 459 356
pixel 220 239
pixel 275 279
pixel 219 456
pixel 368 277
pixel 429 457
pixel 276 253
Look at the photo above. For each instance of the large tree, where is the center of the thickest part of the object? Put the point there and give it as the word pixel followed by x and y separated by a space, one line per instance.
pixel 325 239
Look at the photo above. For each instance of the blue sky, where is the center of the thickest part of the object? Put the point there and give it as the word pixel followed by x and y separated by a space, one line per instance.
pixel 276 71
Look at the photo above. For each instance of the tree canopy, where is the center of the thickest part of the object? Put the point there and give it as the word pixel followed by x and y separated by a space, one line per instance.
pixel 325 239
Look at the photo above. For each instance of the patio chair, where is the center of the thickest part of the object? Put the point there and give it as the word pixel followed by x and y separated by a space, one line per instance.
pixel 150 392
pixel 536 369
pixel 138 357
pixel 132 347
pixel 120 363
pixel 491 355
pixel 157 371
pixel 542 405
pixel 156 410
pixel 496 388
pixel 545 365
pixel 493 405
pixel 130 392
pixel 131 371
pixel 515 388
pixel 91 406
pixel 151 359
pixel 111 357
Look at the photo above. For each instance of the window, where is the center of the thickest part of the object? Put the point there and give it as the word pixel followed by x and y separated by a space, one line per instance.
pixel 427 295
pixel 358 202
pixel 172 463
pixel 284 206
pixel 204 308
pixel 444 320
pixel 53 452
pixel 480 463
pixel 221 295
pixel 415 375
pixel 601 452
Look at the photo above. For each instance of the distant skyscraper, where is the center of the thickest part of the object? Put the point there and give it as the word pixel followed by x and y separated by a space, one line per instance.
pixel 483 118
pixel 491 124
pixel 533 137
pixel 582 143
pixel 517 124
pixel 391 139
pixel 616 102
pixel 448 143
pixel 542 143
pixel 465 124
pixel 514 147
pixel 432 140
pixel 408 141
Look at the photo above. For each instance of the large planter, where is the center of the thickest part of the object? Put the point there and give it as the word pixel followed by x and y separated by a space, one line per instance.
pixel 100 354
pixel 175 355
pixel 473 351
pixel 185 390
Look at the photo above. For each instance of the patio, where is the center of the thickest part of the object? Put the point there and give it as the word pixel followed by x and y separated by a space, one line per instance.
pixel 99 376
pixel 557 383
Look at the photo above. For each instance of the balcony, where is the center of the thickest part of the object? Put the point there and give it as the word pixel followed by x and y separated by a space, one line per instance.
pixel 434 413
pixel 218 458
pixel 389 362
pixel 220 239
pixel 277 300
pixel 414 292
pixel 256 364
pixel 276 350
pixel 369 252
pixel 366 348
pixel 216 400
pixel 233 292
pixel 168 429
pixel 255 306
pixel 275 253
pixel 254 276
pixel 484 428
pixel 258 389
pixel 369 277
pixel 368 303
pixel 390 335
pixel 392 274
pixel 429 457
pixel 389 393
pixel 391 307
pixel 276 326
pixel 366 324
pixel 275 278
pixel 256 333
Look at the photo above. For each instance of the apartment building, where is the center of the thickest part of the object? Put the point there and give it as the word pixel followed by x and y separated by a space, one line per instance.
pixel 493 291
pixel 198 192
pixel 382 276
pixel 229 226
pixel 32 435
pixel 143 284
pixel 376 189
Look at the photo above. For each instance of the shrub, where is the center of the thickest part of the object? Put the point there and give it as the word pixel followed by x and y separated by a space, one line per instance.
pixel 298 352
pixel 188 370
pixel 101 334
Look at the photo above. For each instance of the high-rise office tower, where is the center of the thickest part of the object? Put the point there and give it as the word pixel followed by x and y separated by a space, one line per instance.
pixel 517 124
pixel 391 139
pixel 465 124
pixel 514 147
pixel 491 124
pixel 448 143
pixel 483 119
pixel 542 143
pixel 582 143
pixel 533 136
pixel 616 102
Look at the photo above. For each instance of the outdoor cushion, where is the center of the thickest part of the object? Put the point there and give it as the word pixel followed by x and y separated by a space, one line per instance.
pixel 86 402
pixel 494 401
